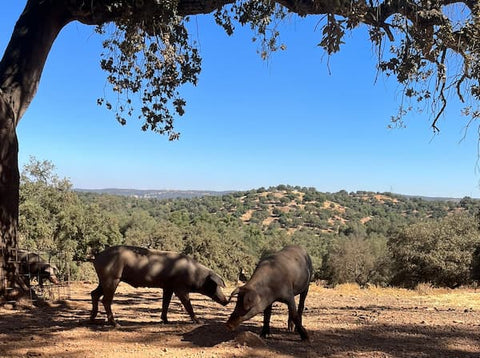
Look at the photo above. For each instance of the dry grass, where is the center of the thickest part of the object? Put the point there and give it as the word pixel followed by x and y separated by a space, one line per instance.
pixel 343 322
pixel 466 298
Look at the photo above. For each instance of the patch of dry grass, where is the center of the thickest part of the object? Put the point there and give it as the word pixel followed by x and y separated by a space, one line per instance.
pixel 466 298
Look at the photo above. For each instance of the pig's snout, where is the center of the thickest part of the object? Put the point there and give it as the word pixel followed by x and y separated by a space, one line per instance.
pixel 223 301
pixel 55 280
pixel 232 324
pixel 51 271
pixel 219 297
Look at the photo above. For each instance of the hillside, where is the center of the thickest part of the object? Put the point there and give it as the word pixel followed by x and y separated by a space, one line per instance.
pixel 361 237
pixel 293 208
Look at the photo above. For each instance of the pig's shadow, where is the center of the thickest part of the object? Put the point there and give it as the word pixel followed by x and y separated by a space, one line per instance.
pixel 209 335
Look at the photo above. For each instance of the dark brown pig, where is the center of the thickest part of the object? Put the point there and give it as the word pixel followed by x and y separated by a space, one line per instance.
pixel 31 265
pixel 140 267
pixel 279 277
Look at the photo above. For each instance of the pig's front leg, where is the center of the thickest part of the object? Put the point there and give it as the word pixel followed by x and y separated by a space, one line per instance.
pixel 185 299
pixel 167 296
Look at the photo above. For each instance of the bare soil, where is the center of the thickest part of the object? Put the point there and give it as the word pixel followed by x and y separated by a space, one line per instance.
pixel 342 322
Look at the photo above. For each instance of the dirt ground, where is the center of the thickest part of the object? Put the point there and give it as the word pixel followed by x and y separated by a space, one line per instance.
pixel 342 322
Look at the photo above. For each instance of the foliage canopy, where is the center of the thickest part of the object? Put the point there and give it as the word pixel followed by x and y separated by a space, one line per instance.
pixel 430 47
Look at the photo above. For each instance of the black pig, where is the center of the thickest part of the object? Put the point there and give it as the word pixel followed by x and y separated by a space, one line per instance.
pixel 140 267
pixel 279 277
pixel 33 266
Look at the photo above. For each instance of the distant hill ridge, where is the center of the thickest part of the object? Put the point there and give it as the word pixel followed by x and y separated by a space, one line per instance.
pixel 172 194
pixel 155 194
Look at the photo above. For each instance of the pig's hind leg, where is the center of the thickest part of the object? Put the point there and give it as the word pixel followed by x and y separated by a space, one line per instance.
pixel 293 315
pixel 301 306
pixel 109 288
pixel 96 294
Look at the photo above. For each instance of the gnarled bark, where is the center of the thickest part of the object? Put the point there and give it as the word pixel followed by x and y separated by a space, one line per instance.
pixel 9 178
pixel 20 71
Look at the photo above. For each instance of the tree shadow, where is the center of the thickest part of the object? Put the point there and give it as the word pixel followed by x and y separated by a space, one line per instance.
pixel 365 341
pixel 352 338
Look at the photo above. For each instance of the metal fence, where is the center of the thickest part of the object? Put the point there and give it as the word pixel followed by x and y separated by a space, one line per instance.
pixel 33 277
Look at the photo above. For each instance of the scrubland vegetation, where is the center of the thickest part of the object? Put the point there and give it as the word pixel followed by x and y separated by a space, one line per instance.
pixel 366 238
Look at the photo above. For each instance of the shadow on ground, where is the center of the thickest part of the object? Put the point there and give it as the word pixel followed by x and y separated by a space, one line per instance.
pixel 138 314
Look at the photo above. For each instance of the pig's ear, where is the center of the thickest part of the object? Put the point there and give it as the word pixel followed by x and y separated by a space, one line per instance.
pixel 217 279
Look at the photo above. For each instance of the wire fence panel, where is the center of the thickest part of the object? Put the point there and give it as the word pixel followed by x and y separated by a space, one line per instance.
pixel 41 275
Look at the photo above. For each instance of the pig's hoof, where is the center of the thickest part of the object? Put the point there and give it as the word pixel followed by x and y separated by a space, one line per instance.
pixel 306 339
pixel 265 335
pixel 96 321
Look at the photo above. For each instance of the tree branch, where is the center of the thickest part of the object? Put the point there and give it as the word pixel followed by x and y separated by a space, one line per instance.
pixel 22 63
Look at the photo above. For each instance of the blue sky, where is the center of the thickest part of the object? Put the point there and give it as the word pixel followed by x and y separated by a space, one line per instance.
pixel 300 118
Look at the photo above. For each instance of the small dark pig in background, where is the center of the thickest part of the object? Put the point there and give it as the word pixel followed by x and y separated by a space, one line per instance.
pixel 141 267
pixel 242 276
pixel 31 265
pixel 279 277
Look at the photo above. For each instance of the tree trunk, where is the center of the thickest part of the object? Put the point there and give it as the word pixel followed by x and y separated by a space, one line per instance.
pixel 9 185
pixel 20 71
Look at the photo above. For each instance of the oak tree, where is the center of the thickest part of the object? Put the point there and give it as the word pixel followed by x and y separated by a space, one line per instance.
pixel 432 51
